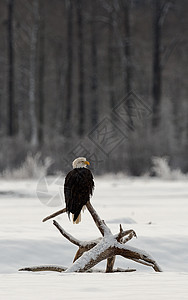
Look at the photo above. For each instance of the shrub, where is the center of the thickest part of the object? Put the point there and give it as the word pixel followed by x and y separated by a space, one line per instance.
pixel 162 169
pixel 33 167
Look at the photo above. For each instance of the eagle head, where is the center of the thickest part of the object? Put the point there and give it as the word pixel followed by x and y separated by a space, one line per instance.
pixel 80 162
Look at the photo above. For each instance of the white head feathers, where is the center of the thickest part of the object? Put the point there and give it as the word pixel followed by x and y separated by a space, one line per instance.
pixel 80 162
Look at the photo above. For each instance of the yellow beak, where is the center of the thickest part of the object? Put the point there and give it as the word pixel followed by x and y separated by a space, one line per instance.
pixel 86 163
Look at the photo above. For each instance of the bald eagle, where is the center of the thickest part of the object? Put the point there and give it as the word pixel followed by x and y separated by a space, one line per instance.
pixel 78 188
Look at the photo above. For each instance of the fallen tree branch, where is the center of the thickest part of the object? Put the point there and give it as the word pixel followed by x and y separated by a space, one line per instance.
pixel 85 246
pixel 59 269
pixel 57 213
pixel 92 252
pixel 104 230
pixel 100 223
pixel 73 240
pixel 138 256
pixel 124 270
pixel 44 268
pixel 66 234
pixel 131 233
pixel 107 248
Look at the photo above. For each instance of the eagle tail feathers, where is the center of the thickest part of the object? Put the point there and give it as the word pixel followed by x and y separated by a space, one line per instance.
pixel 77 220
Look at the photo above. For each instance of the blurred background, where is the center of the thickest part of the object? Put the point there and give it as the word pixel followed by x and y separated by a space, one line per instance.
pixel 105 79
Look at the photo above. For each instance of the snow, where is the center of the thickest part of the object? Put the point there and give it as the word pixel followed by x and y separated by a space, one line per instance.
pixel 131 286
pixel 157 210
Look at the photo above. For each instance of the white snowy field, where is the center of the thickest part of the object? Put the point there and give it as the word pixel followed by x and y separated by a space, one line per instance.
pixel 157 210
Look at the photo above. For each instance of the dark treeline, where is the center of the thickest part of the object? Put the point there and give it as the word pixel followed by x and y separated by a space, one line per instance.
pixel 106 79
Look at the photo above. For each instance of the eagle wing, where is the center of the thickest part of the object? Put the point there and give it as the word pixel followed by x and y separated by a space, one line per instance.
pixel 78 189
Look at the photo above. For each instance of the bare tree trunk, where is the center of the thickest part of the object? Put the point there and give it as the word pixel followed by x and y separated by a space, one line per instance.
pixel 94 75
pixel 111 62
pixel 11 104
pixel 32 75
pixel 128 47
pixel 62 123
pixel 156 89
pixel 41 75
pixel 128 59
pixel 81 108
pixel 68 109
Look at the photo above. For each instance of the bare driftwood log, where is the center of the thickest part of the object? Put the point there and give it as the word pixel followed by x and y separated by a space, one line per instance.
pixel 44 268
pixel 92 252
pixel 62 269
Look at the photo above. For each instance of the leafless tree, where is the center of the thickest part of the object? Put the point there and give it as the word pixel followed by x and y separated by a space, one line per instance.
pixel 81 92
pixel 61 73
pixel 11 100
pixel 160 11
pixel 32 73
pixel 68 106
pixel 41 74
pixel 94 68
pixel 156 91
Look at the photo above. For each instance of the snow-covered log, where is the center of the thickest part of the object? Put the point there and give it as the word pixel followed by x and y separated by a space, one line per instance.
pixel 92 252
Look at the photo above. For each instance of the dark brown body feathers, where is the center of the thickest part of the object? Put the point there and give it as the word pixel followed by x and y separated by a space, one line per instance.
pixel 78 188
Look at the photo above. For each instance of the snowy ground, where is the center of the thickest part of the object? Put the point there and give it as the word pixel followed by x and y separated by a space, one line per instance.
pixel 157 210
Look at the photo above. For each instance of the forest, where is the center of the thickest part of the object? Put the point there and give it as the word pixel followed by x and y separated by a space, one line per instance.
pixel 104 79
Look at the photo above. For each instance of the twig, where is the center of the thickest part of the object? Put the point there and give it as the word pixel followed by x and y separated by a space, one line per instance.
pixel 123 233
pixel 57 213
pixel 129 237
pixel 124 270
pixel 67 235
